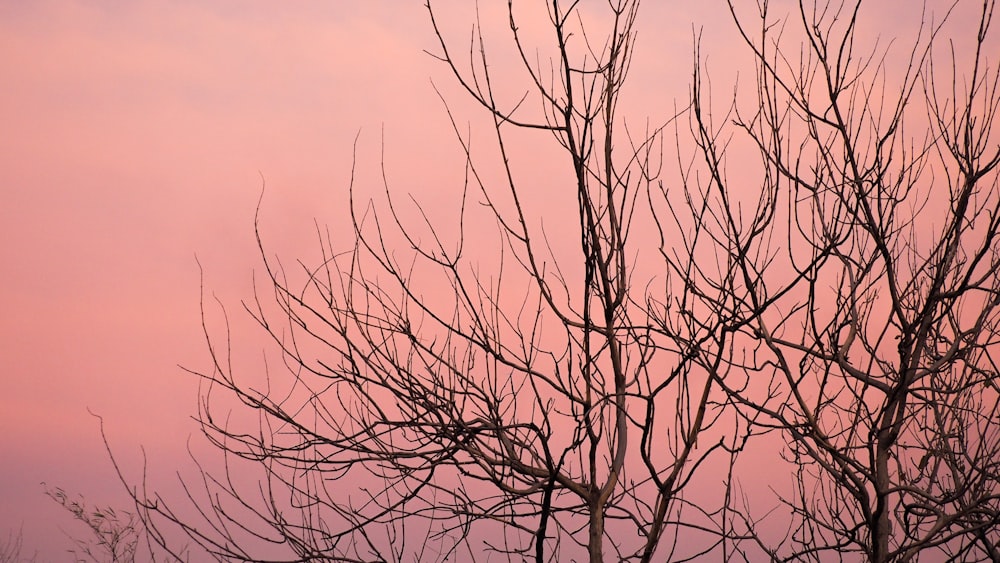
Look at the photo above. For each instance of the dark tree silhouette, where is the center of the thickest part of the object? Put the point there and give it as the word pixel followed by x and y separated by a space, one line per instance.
pixel 875 324
pixel 591 393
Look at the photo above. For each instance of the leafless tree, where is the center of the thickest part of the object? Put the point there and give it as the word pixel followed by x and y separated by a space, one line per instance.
pixel 871 298
pixel 442 396
pixel 489 385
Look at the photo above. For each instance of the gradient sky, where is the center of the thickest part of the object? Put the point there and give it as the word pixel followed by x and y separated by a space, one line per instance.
pixel 134 138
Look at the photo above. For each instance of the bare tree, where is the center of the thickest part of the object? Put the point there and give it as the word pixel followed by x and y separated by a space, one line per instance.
pixel 591 392
pixel 548 404
pixel 875 325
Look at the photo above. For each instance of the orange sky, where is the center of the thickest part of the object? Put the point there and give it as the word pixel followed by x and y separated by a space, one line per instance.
pixel 134 136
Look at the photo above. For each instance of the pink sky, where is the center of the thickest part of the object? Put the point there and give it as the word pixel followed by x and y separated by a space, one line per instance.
pixel 133 138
